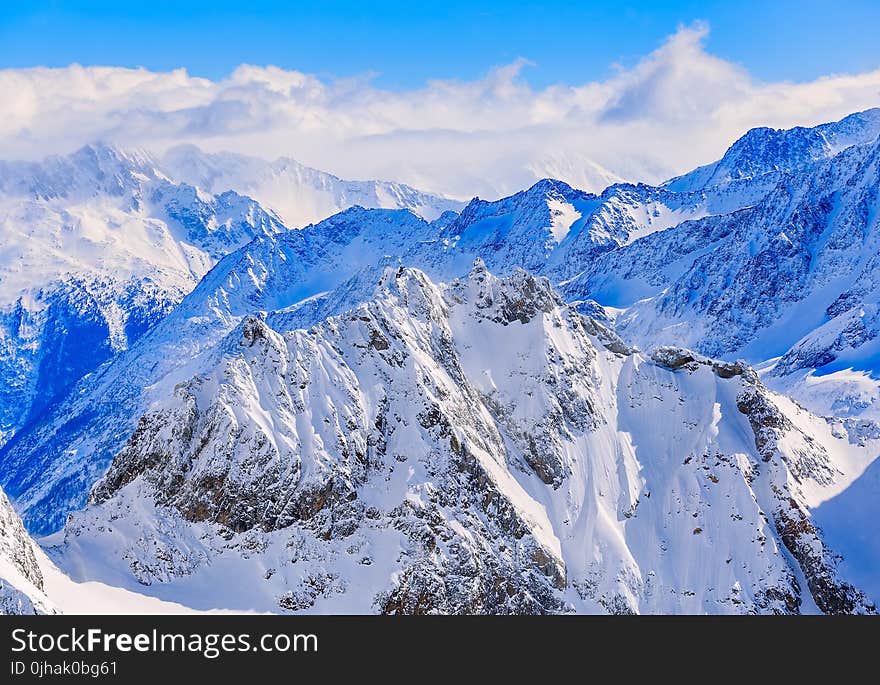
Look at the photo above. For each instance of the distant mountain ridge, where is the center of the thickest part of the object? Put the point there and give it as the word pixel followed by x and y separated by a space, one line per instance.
pixel 764 150
pixel 549 228
pixel 299 194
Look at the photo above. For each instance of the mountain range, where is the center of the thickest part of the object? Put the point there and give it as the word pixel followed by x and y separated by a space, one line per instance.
pixel 648 400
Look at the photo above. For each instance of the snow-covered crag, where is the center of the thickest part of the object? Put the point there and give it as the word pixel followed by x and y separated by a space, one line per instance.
pixel 299 194
pixel 97 247
pixel 743 267
pixel 21 580
pixel 478 447
pixel 488 447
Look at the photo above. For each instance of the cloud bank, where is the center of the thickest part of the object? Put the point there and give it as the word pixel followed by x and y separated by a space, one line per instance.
pixel 679 107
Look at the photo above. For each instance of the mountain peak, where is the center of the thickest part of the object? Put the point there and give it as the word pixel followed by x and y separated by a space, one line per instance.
pixel 94 169
pixel 764 150
pixel 478 269
pixel 550 185
pixel 298 193
pixel 101 151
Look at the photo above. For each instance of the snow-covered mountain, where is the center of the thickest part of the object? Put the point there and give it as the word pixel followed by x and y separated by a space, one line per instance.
pixel 50 465
pixel 247 428
pixel 764 151
pixel 622 248
pixel 793 275
pixel 21 580
pixel 298 194
pixel 747 282
pixel 97 247
pixel 478 447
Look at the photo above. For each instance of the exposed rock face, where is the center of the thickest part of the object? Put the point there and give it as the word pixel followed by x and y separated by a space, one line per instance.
pixel 15 544
pixel 674 358
pixel 804 459
pixel 476 447
pixel 21 581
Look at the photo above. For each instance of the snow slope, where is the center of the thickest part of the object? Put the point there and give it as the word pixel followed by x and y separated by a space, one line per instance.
pixel 478 447
pixel 28 579
pixel 743 268
pixel 95 248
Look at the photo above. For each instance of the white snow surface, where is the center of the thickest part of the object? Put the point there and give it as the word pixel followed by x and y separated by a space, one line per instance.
pixel 646 492
pixel 602 454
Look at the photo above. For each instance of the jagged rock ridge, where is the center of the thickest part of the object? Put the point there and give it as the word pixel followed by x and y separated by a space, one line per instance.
pixel 21 580
pixel 473 448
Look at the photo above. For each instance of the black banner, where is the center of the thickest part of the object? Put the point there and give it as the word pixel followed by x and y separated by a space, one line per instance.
pixel 127 649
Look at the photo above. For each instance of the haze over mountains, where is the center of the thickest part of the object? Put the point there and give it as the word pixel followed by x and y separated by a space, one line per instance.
pixel 533 404
pixel 646 117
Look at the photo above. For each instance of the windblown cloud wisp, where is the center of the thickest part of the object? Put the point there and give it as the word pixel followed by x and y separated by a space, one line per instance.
pixel 677 108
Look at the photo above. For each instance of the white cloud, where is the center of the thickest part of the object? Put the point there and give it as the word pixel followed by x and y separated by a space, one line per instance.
pixel 678 108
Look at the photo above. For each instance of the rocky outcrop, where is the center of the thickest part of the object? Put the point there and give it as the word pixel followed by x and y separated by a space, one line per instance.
pixel 21 580
pixel 804 459
pixel 675 358
pixel 476 447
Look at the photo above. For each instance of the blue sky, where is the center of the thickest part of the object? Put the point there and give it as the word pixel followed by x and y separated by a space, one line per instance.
pixel 407 43
pixel 640 91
